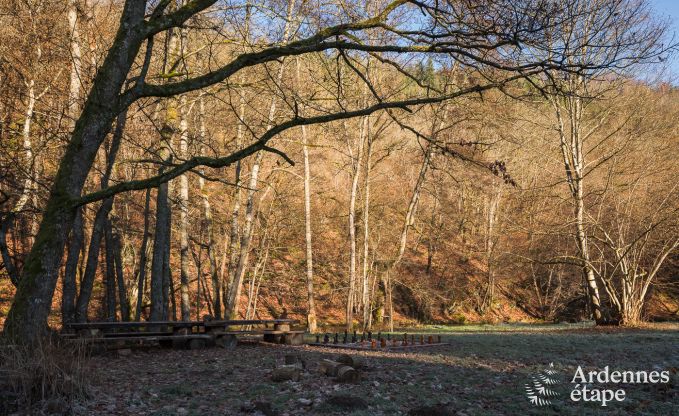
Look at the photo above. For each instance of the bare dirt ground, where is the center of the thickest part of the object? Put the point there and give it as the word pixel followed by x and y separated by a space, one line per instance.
pixel 476 374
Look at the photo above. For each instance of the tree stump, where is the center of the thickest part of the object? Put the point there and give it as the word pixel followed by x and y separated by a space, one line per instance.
pixel 356 361
pixel 346 374
pixel 286 372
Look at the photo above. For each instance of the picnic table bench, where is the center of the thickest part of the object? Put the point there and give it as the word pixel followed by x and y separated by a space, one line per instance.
pixel 183 334
pixel 280 334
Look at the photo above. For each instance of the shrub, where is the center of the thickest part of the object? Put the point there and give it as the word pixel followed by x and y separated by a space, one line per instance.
pixel 458 319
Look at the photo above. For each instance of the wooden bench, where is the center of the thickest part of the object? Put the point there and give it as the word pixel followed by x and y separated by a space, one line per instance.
pixel 193 341
pixel 273 336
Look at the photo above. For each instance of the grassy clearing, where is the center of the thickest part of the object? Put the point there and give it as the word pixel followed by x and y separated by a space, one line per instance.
pixel 481 372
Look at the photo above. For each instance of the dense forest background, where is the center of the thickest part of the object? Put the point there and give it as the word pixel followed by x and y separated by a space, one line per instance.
pixel 484 208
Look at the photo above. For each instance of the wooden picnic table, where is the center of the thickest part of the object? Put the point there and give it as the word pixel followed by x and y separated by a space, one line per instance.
pixel 195 334
pixel 133 325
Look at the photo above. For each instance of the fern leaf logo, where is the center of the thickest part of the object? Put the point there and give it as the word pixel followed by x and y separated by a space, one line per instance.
pixel 540 390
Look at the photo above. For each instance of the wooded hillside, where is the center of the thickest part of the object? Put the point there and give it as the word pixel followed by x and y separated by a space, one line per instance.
pixel 349 163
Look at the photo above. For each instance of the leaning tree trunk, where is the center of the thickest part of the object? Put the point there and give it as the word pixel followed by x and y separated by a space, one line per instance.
pixel 407 223
pixel 27 318
pixel 77 238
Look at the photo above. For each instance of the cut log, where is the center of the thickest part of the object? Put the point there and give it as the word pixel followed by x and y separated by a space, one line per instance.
pixel 343 372
pixel 329 367
pixel 346 374
pixel 286 372
pixel 356 361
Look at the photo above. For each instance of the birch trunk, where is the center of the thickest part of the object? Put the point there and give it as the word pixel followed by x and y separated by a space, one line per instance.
pixel 352 228
pixel 207 210
pixel 235 211
pixel 573 159
pixel 184 215
pixel 367 304
pixel 311 307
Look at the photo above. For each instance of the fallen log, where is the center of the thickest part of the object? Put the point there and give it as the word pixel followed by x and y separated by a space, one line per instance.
pixel 329 367
pixel 286 372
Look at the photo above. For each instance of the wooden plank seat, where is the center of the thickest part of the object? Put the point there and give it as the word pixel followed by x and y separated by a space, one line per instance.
pixel 137 334
pixel 256 332
pixel 192 341
pixel 133 325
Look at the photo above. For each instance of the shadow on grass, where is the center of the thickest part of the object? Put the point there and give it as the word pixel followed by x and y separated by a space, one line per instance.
pixel 476 374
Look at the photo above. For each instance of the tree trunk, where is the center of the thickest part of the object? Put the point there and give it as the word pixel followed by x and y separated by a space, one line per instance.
pixel 143 255
pixel 352 227
pixel 574 165
pixel 311 307
pixel 207 210
pixel 110 298
pixel 160 243
pixel 367 308
pixel 120 277
pixel 99 226
pixel 231 303
pixel 77 238
pixel 184 215
pixel 75 246
pixel 92 262
pixel 27 318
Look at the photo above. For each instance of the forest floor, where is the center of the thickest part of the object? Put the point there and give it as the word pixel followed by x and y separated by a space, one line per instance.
pixel 481 371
